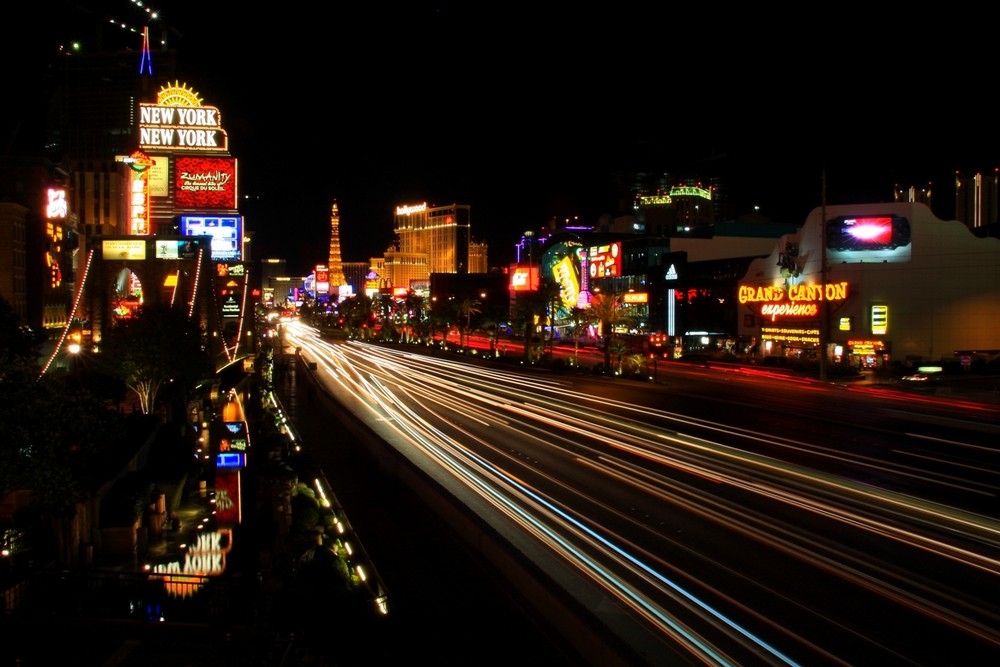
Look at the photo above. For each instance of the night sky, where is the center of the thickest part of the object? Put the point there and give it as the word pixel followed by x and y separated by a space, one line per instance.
pixel 526 113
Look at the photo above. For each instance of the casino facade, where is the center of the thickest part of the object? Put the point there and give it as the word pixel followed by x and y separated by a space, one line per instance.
pixel 182 239
pixel 887 282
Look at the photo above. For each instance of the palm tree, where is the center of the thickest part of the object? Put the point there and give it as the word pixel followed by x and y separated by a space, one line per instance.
pixel 607 309
pixel 357 314
pixel 465 309
pixel 385 306
pixel 528 309
pixel 439 320
pixel 414 315
pixel 618 350
pixel 489 324
pixel 634 361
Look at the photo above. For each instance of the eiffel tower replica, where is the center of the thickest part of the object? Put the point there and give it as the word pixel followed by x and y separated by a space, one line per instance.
pixel 334 263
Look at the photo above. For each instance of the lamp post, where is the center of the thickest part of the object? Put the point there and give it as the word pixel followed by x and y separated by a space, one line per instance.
pixel 824 323
pixel 73 359
pixel 74 346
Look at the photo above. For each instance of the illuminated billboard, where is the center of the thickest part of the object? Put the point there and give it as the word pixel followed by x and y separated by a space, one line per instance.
pixel 322 280
pixel 523 278
pixel 56 210
pixel 880 319
pixel 235 438
pixel 228 496
pixel 176 248
pixel 159 176
pixel 179 121
pixel 635 297
pixel 226 234
pixel 868 238
pixel 56 206
pixel 774 302
pixel 605 261
pixel 561 265
pixel 205 182
pixel 123 249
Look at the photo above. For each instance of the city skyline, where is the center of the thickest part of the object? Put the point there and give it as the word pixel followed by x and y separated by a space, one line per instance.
pixel 528 116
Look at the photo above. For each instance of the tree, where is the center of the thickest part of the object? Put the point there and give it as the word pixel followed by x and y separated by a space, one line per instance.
pixel 357 314
pixel 464 310
pixel 489 324
pixel 529 308
pixel 19 343
pixel 634 361
pixel 606 309
pixel 439 320
pixel 414 317
pixel 160 346
pixel 526 309
pixel 52 429
pixel 385 307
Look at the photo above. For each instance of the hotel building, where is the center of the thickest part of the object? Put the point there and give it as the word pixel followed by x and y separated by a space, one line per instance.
pixel 429 239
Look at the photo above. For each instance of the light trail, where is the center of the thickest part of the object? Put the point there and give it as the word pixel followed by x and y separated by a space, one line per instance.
pixel 440 409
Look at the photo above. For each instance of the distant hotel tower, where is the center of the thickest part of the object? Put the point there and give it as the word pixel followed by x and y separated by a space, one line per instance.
pixel 913 195
pixel 977 200
pixel 334 262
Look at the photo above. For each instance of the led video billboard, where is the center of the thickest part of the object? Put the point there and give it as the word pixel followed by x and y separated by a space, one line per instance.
pixel 226 234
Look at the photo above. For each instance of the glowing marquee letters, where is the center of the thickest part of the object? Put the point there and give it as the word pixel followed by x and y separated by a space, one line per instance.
pixel 795 301
pixel 180 121
pixel 139 203
pixel 408 210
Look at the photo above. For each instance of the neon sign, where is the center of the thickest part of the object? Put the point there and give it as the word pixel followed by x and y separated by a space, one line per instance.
pixel 139 204
pixel 179 121
pixel 796 293
pixel 605 261
pixel 565 276
pixel 56 206
pixel 524 279
pixel 408 210
pixel 790 335
pixel 866 346
pixel 655 200
pixel 54 233
pixel 153 134
pixel 794 301
pixel 880 320
pixel 690 191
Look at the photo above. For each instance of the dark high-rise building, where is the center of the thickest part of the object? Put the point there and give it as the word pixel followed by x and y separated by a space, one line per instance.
pixel 977 200
pixel 92 119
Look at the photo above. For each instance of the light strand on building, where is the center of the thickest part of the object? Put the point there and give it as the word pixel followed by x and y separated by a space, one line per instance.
pixel 69 321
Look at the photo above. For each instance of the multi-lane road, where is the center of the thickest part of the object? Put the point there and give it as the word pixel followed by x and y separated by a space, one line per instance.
pixel 714 517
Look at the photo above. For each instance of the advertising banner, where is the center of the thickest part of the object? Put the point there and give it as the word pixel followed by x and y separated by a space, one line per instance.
pixel 205 183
